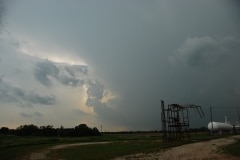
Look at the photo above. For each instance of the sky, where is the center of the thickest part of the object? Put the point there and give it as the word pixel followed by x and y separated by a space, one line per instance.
pixel 110 63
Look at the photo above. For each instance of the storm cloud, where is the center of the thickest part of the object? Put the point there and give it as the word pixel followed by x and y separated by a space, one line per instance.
pixel 13 94
pixel 65 74
pixel 111 62
pixel 1 11
pixel 206 51
pixel 45 69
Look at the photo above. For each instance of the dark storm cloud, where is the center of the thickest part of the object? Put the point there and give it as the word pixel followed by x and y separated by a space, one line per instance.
pixel 71 75
pixel 69 81
pixel 34 98
pixel 45 69
pixel 206 71
pixel 72 69
pixel 12 94
pixel 95 93
pixel 1 11
pixel 5 93
pixel 206 51
pixel 63 73
pixel 104 111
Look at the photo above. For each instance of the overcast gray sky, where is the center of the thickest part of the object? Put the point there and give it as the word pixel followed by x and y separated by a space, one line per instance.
pixel 105 62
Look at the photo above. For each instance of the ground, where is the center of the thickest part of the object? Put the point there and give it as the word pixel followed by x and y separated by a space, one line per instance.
pixel 207 150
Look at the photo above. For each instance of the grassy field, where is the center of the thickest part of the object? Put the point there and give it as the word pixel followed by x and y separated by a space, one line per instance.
pixel 13 147
pixel 103 151
pixel 233 149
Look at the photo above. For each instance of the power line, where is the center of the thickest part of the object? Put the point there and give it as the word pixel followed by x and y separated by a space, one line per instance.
pixel 221 107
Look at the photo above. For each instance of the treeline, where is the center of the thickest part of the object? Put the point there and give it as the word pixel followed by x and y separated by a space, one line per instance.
pixel 191 130
pixel 33 130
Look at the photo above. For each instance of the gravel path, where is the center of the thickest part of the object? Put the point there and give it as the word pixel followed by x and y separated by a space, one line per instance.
pixel 207 150
pixel 42 155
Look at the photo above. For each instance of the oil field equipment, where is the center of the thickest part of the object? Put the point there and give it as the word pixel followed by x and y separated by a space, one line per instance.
pixel 175 120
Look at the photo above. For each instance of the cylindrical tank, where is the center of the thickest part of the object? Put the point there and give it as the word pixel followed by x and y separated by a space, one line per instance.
pixel 218 126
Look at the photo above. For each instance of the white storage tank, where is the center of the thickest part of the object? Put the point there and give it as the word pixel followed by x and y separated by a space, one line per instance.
pixel 218 126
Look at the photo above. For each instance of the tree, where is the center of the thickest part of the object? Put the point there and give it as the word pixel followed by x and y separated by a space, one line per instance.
pixel 95 131
pixel 48 130
pixel 4 130
pixel 82 130
pixel 28 130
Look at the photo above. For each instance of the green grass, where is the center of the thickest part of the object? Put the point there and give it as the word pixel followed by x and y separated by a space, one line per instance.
pixel 232 149
pixel 104 151
pixel 121 144
pixel 14 147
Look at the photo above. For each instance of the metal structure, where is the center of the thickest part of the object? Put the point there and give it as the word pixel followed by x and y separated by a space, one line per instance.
pixel 175 120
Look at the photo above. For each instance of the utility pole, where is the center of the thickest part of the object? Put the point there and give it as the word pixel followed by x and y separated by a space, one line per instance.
pixel 101 128
pixel 164 125
pixel 238 115
pixel 211 120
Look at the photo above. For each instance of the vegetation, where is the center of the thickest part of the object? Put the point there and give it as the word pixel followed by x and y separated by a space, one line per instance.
pixel 18 147
pixel 13 147
pixel 104 151
pixel 18 144
pixel 233 149
pixel 33 130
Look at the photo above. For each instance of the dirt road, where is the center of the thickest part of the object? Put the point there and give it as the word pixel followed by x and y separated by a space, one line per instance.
pixel 42 155
pixel 208 150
